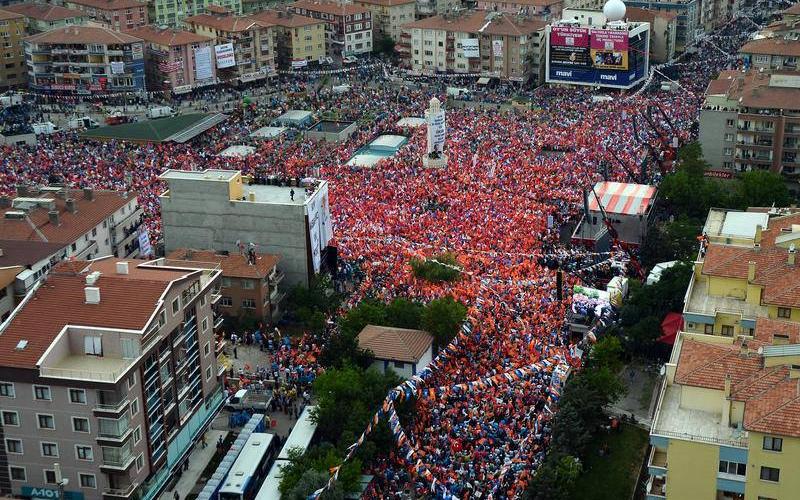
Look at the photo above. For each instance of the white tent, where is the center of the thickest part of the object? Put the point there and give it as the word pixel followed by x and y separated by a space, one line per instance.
pixel 655 273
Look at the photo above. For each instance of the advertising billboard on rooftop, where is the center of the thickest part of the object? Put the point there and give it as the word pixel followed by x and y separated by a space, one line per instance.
pixel 569 46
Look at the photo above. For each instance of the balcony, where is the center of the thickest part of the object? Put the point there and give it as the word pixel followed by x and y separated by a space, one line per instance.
pixel 88 368
pixel 121 492
pixel 276 278
pixel 657 463
pixel 110 402
pixel 656 488
pixel 113 429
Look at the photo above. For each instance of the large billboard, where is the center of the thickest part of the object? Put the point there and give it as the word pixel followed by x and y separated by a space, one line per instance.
pixel 470 48
pixel 202 61
pixel 225 56
pixel 569 46
pixel 605 57
pixel 610 49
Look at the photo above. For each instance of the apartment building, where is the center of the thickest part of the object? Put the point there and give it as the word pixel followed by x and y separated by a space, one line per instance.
pixel 170 61
pixel 788 26
pixel 19 259
pixel 389 16
pixel 87 223
pixel 771 54
pixel 663 31
pixel 114 14
pixel 545 10
pixel 748 271
pixel 172 13
pixel 348 27
pixel 752 121
pixel 223 210
pixel 85 60
pixel 725 424
pixel 300 40
pixel 249 288
pixel 43 17
pixel 253 43
pixel 687 18
pixel 494 44
pixel 428 8
pixel 12 31
pixel 116 399
pixel 714 13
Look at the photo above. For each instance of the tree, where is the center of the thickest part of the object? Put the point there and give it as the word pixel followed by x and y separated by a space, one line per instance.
pixel 366 313
pixel 437 269
pixel 761 188
pixel 384 45
pixel 403 313
pixel 297 480
pixel 311 481
pixel 555 478
pixel 442 318
pixel 318 296
pixel 607 353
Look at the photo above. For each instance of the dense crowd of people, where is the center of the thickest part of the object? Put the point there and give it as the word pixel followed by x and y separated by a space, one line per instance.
pixel 512 180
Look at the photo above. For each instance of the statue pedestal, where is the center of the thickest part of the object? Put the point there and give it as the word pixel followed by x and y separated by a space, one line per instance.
pixel 429 162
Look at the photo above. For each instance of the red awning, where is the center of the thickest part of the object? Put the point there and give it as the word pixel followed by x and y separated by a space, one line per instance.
pixel 669 327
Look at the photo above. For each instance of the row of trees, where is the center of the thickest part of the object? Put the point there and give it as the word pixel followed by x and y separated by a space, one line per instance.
pixel 439 268
pixel 580 415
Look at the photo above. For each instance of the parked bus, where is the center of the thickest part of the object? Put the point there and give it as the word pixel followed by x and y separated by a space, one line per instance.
pixel 255 459
pixel 301 437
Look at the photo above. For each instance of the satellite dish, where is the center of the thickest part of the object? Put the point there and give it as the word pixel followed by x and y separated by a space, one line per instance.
pixel 614 10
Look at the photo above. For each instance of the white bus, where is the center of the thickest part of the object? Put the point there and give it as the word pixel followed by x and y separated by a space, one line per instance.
pixel 301 437
pixel 249 469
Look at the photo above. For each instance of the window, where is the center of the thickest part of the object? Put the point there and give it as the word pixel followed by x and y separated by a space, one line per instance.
pixel 77 396
pixel 784 312
pixel 773 443
pixel 727 151
pixel 708 329
pixel 137 435
pixel 140 462
pixel 207 349
pixel 729 137
pixel 204 325
pixel 49 450
pixel 176 306
pixel 248 284
pixel 730 123
pixel 14 446
pixel 11 418
pixel 50 477
pixel 92 346
pixel 45 421
pixel 88 481
pixel 42 393
pixel 727 330
pixel 208 373
pixel 80 424
pixel 129 348
pixel 202 301
pixel 399 364
pixel 770 474
pixel 248 303
pixel 84 453
pixel 134 407
pixel 226 282
pixel 7 389
pixel 131 380
pixel 17 473
pixel 733 468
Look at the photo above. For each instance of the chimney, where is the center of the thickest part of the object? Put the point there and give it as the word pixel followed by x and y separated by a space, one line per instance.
pixel 122 267
pixel 71 205
pixel 5 202
pixel 792 254
pixel 62 194
pixel 54 219
pixel 92 294
pixel 726 402
pixel 757 239
pixel 743 349
pixel 88 194
pixel 22 190
pixel 251 196
pixel 751 271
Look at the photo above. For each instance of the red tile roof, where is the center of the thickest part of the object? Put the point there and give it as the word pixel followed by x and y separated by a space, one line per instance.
pixel 772 46
pixel 483 22
pixel 781 281
pixel 83 35
pixel 771 397
pixel 285 19
pixel 7 15
pixel 386 3
pixel 168 37
pixel 337 9
pixel 793 10
pixel 234 265
pixel 228 23
pixel 124 303
pixel 110 4
pixel 36 226
pixel 395 344
pixel 43 11
pixel 766 329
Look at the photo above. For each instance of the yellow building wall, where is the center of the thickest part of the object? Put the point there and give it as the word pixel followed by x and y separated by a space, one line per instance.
pixel 300 46
pixel 699 398
pixel 235 189
pixel 692 470
pixel 781 360
pixel 754 295
pixel 773 313
pixel 788 487
pixel 724 319
pixel 727 287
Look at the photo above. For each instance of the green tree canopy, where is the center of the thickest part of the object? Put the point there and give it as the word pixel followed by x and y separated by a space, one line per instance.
pixel 442 318
pixel 761 188
pixel 306 472
pixel 403 313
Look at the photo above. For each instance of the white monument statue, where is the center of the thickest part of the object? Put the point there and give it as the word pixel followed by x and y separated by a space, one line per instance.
pixel 435 156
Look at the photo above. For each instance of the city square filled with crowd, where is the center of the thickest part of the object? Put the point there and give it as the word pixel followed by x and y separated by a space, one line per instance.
pixel 513 178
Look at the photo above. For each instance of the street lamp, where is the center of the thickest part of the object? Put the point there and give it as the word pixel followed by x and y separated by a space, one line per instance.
pixel 61 481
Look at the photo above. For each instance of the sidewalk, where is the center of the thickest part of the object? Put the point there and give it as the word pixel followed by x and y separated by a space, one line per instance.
pixel 198 459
